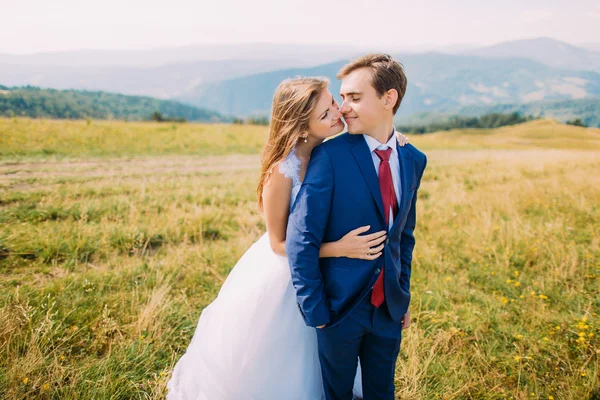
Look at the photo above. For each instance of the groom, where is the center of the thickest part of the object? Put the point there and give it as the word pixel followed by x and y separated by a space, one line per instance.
pixel 362 177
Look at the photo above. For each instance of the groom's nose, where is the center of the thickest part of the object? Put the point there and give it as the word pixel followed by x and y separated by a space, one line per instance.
pixel 344 108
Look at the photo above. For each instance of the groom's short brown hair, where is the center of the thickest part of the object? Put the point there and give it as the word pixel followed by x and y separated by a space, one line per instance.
pixel 387 74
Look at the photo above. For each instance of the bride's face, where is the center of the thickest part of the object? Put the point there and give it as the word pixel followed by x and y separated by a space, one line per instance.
pixel 326 119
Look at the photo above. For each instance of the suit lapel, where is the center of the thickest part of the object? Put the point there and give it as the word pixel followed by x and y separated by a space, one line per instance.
pixel 405 185
pixel 360 151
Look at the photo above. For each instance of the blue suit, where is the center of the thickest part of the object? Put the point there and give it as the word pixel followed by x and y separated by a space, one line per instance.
pixel 340 193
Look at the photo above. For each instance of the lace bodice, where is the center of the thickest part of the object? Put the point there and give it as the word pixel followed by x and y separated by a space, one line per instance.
pixel 290 168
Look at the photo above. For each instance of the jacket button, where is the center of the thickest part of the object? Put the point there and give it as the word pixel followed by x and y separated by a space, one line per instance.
pixel 387 241
pixel 377 271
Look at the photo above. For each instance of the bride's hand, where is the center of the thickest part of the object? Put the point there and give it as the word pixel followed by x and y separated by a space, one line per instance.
pixel 366 247
pixel 402 140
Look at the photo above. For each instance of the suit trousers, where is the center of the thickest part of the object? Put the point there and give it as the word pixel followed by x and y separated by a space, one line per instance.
pixel 366 332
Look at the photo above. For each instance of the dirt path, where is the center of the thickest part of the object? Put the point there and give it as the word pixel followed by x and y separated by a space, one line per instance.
pixel 14 176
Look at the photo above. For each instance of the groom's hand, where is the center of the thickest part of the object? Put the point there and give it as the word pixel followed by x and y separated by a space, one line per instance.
pixel 406 320
pixel 322 326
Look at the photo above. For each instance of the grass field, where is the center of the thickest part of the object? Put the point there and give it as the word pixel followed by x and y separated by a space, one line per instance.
pixel 114 236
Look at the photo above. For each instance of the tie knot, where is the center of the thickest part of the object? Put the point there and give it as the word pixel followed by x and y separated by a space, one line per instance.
pixel 384 155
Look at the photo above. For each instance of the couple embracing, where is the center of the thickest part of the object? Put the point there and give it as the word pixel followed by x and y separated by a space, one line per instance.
pixel 316 307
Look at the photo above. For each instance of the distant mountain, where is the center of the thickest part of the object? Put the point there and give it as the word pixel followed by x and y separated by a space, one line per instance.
pixel 239 80
pixel 163 72
pixel 591 46
pixel 304 55
pixel 252 95
pixel 72 104
pixel 178 72
pixel 450 49
pixel 436 82
pixel 163 82
pixel 551 52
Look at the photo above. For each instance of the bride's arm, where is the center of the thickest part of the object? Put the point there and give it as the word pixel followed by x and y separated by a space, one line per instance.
pixel 355 245
pixel 276 207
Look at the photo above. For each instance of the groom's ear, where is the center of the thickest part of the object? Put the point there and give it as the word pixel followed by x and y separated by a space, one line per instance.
pixel 390 99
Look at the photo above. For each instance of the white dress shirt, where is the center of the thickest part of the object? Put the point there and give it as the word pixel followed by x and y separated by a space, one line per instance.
pixel 394 164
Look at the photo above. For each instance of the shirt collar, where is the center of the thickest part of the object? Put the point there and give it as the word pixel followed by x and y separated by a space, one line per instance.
pixel 374 144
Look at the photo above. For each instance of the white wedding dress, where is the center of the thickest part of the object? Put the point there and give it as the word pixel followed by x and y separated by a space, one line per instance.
pixel 251 342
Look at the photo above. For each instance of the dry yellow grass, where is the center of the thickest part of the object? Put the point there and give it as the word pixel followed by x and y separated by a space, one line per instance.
pixel 108 259
pixel 546 134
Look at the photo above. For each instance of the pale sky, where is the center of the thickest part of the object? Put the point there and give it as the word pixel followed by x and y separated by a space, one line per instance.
pixel 28 26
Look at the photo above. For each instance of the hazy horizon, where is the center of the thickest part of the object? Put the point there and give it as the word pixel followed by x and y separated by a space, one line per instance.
pixel 69 25
pixel 427 47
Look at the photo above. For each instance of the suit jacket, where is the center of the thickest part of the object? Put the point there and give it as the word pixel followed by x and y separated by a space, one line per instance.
pixel 340 193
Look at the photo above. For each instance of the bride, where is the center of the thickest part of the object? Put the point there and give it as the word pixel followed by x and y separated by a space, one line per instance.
pixel 251 342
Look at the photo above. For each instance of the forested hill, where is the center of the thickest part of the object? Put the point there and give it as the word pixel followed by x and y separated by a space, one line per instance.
pixel 36 102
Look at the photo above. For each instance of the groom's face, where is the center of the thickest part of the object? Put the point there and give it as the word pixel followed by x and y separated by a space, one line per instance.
pixel 362 108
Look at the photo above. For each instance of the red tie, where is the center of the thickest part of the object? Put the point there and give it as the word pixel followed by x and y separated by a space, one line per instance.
pixel 388 195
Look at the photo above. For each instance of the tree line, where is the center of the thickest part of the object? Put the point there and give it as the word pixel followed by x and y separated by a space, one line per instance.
pixel 35 102
pixel 487 121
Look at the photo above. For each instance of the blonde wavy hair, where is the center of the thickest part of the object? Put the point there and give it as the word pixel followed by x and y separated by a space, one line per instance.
pixel 293 102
